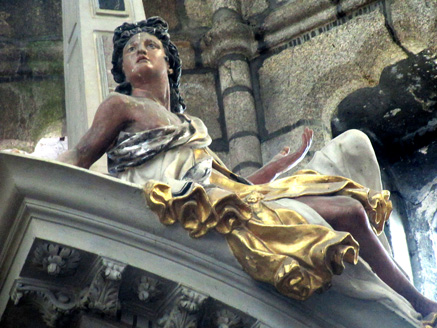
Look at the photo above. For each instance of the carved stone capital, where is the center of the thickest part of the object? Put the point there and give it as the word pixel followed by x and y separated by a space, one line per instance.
pixel 56 259
pixel 229 35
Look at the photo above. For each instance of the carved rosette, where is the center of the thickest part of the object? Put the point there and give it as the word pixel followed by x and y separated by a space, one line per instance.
pixel 190 300
pixel 56 260
pixel 112 269
pixel 227 319
pixel 148 289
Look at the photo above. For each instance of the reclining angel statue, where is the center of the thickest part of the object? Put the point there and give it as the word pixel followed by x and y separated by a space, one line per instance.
pixel 295 233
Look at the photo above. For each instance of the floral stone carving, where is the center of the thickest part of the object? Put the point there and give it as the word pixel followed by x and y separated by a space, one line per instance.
pixel 102 295
pixel 186 312
pixel 228 319
pixel 148 289
pixel 56 259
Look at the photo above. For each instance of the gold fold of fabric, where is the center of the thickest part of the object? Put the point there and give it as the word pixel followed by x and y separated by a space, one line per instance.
pixel 273 243
pixel 430 321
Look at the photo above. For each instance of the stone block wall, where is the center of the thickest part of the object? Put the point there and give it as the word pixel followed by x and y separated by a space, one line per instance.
pixel 32 102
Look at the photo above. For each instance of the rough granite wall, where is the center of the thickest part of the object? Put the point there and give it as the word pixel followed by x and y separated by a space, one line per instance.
pixel 31 72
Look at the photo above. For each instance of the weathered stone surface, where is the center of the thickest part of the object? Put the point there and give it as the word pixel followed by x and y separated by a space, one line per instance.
pixel 45 58
pixel 225 157
pixel 253 7
pixel 234 73
pixel 240 113
pixel 228 36
pixel 308 81
pixel 5 29
pixel 10 63
pixel 26 146
pixel 34 18
pixel 400 113
pixel 31 47
pixel 415 177
pixel 229 4
pixel 415 23
pixel 167 9
pixel 186 53
pixel 29 108
pixel 294 18
pixel 245 149
pixel 199 12
pixel 36 58
pixel 199 92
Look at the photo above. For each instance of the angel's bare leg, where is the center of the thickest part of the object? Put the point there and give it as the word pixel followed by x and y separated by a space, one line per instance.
pixel 347 214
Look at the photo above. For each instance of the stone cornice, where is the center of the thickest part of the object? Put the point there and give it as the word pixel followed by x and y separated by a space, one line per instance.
pixel 302 16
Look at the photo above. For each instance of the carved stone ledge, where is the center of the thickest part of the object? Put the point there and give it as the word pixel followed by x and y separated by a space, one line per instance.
pixel 300 18
pixel 55 259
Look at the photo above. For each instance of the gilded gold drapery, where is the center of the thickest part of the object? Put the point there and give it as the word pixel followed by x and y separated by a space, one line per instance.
pixel 273 243
pixel 431 321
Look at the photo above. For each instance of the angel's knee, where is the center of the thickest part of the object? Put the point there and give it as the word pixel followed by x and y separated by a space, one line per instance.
pixel 351 216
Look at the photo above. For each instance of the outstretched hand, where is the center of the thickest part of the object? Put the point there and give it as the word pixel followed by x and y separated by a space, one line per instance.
pixel 283 161
pixel 286 160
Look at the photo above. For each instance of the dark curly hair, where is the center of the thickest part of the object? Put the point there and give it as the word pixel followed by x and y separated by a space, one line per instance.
pixel 159 28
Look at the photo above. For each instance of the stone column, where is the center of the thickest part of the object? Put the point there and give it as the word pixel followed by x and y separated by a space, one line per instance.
pixel 228 46
pixel 87 32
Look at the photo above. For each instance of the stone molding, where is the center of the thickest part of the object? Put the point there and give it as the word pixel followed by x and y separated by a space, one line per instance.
pixel 300 17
